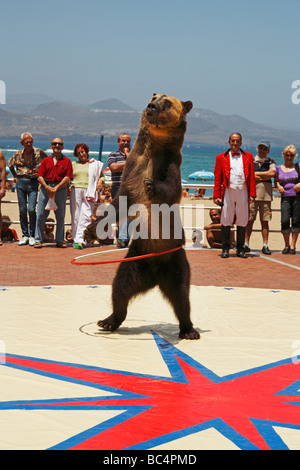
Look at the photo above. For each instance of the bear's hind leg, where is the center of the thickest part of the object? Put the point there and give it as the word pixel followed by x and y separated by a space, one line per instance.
pixel 132 278
pixel 175 285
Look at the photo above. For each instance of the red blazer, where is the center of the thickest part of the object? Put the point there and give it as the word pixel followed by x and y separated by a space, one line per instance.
pixel 222 174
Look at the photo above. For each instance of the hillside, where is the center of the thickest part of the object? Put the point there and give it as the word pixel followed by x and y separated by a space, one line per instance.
pixel 111 105
pixel 111 117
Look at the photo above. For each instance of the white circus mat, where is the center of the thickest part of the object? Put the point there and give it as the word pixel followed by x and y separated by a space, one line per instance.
pixel 65 384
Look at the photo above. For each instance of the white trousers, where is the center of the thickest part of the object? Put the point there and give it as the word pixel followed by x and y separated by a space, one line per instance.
pixel 235 204
pixel 81 213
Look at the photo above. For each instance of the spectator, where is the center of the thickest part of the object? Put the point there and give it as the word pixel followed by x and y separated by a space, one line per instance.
pixel 24 165
pixel 105 197
pixel 69 238
pixel 234 187
pixel 2 185
pixel 85 189
pixel 199 192
pixel 8 234
pixel 265 169
pixel 213 230
pixel 54 176
pixel 288 184
pixel 48 236
pixel 116 162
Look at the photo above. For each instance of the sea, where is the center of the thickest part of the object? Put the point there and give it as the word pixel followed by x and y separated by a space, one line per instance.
pixel 195 157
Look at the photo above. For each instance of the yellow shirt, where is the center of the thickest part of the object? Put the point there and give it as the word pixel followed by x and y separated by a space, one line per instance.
pixel 80 175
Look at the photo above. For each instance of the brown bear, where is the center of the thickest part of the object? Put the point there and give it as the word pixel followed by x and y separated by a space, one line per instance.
pixel 152 178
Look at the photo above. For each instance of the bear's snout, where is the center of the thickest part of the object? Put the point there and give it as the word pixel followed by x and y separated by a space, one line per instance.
pixel 151 108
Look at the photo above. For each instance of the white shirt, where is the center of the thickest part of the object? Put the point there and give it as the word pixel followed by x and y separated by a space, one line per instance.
pixel 237 175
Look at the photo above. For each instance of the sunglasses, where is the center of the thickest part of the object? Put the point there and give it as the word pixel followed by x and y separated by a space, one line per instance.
pixel 28 142
pixel 57 143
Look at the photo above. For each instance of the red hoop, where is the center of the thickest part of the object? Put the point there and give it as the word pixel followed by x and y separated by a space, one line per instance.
pixel 124 260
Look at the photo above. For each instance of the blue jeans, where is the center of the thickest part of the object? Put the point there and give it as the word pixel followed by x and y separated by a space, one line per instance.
pixel 123 232
pixel 114 190
pixel 27 191
pixel 42 214
pixel 123 229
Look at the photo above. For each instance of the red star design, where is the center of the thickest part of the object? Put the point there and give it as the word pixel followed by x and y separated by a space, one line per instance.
pixel 158 409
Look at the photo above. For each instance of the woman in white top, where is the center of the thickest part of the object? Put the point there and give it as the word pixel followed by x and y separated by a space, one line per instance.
pixel 85 189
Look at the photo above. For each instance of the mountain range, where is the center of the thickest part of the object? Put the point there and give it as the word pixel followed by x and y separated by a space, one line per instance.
pixel 46 117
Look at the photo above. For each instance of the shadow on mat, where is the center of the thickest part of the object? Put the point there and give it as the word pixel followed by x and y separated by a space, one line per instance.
pixel 168 331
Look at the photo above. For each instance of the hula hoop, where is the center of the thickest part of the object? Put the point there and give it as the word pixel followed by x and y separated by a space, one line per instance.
pixel 122 260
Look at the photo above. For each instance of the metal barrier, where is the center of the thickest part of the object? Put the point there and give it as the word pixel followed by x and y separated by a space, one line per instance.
pixel 185 206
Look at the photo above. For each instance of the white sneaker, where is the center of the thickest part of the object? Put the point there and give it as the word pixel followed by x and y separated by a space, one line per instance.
pixel 31 241
pixel 24 241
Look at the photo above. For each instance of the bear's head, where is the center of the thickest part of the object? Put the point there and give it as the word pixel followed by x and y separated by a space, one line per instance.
pixel 164 114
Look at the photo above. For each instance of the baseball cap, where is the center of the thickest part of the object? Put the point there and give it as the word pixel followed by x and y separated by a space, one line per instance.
pixel 266 143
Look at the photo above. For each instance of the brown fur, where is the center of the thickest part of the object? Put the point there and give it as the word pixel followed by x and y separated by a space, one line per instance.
pixel 152 176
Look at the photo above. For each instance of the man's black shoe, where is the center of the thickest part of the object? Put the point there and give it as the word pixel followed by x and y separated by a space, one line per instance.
pixel 241 254
pixel 225 254
pixel 122 243
pixel 247 249
pixel 265 250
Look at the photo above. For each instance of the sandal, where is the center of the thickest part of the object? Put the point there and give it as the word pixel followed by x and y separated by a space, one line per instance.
pixel 37 245
pixel 61 245
pixel 78 246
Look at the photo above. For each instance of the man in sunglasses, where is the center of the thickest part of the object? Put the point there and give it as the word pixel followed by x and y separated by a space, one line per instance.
pixel 24 165
pixel 54 176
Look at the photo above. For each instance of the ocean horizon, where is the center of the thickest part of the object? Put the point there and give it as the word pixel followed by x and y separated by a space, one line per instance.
pixel 195 157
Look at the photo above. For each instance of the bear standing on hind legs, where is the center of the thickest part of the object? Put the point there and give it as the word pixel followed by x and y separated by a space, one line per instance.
pixel 152 178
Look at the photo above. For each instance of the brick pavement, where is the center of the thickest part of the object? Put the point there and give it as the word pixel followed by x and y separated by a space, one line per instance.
pixel 27 266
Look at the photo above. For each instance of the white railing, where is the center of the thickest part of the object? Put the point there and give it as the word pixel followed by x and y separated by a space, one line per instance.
pixel 183 207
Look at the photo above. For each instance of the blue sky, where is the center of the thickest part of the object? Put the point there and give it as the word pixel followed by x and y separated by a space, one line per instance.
pixel 233 57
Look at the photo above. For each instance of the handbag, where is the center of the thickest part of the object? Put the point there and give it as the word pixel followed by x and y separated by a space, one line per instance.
pixel 297 168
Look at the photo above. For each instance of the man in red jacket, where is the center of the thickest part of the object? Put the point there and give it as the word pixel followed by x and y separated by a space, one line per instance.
pixel 234 188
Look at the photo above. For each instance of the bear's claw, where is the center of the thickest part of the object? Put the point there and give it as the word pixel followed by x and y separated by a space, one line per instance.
pixel 191 334
pixel 109 324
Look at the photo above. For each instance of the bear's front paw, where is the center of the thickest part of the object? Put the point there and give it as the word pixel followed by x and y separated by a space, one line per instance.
pixel 149 186
pixel 110 323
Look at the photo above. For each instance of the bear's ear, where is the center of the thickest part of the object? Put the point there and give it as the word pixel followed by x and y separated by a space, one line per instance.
pixel 187 105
